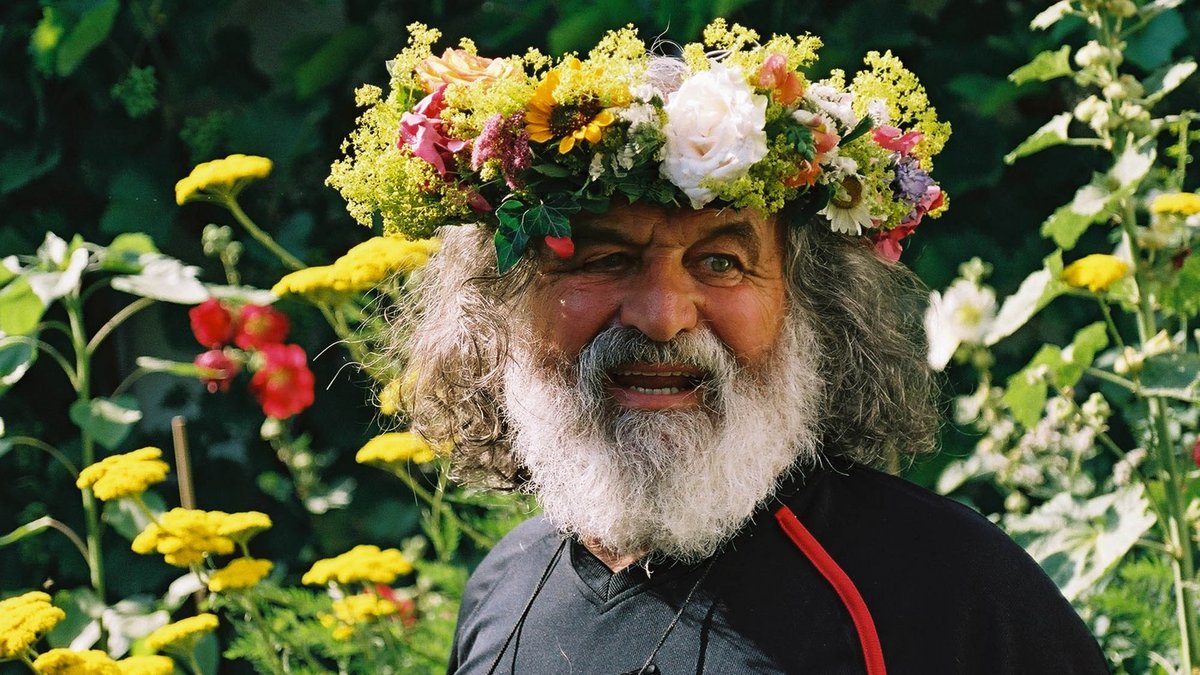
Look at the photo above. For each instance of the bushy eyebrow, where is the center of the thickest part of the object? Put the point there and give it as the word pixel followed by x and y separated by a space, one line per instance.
pixel 741 231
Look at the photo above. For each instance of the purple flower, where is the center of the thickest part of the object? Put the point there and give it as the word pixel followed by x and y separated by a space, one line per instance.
pixel 912 182
pixel 506 139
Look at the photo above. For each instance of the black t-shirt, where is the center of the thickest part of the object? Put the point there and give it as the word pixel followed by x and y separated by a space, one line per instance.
pixel 947 591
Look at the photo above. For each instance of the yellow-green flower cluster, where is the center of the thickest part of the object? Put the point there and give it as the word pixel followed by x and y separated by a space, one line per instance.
pixel 907 103
pixel 362 268
pixel 395 448
pixel 1176 203
pixel 182 635
pixel 24 619
pixel 124 475
pixel 239 573
pixel 1095 272
pixel 221 177
pixel 185 536
pixel 363 563
pixel 67 662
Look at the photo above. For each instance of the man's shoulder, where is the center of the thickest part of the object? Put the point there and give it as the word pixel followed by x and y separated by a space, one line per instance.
pixel 534 539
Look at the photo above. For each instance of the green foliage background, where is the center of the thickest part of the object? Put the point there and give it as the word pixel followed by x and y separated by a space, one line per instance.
pixel 104 104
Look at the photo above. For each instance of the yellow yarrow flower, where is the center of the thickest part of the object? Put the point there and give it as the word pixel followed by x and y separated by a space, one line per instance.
pixel 363 608
pixel 1095 272
pixel 396 448
pixel 124 475
pixel 66 662
pixel 150 664
pixel 222 176
pixel 24 619
pixel 1178 203
pixel 243 525
pixel 240 573
pixel 361 269
pixel 182 635
pixel 363 563
pixel 185 536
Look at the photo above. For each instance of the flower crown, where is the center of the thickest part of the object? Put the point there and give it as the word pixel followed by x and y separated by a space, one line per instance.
pixel 525 142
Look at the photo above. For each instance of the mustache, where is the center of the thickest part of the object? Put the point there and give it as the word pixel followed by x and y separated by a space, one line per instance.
pixel 615 346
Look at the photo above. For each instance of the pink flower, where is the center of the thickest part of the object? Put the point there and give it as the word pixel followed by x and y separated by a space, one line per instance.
pixel 506 139
pixel 223 370
pixel 421 130
pixel 283 385
pixel 774 75
pixel 212 324
pixel 260 326
pixel 891 138
pixel 887 243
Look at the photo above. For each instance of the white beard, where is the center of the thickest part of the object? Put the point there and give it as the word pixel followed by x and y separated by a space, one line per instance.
pixel 676 483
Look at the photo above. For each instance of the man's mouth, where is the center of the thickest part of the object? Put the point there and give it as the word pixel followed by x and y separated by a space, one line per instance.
pixel 673 382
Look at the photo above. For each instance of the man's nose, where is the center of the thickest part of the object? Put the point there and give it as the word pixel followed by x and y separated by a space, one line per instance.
pixel 661 301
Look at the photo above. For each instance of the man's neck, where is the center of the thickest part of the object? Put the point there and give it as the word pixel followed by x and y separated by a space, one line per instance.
pixel 614 561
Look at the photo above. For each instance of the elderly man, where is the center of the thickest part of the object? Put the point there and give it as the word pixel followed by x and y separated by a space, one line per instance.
pixel 679 323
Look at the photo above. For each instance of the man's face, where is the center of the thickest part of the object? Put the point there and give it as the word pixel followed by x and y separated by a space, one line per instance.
pixel 664 272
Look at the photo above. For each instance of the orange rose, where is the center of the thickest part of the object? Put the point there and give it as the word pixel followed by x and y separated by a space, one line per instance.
pixel 460 66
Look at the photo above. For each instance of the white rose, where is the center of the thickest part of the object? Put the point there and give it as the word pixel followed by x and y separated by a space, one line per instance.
pixel 715 131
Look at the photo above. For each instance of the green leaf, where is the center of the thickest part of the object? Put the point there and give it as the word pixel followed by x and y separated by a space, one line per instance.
pixel 1050 134
pixel 1175 375
pixel 1047 65
pixel 43 41
pixel 1168 80
pixel 546 220
pixel 1036 291
pixel 81 627
pixel 1152 47
pixel 863 126
pixel 20 308
pixel 123 253
pixel 1088 341
pixel 1134 163
pixel 1182 295
pixel 23 162
pixel 1092 204
pixel 108 421
pixel 127 518
pixel 17 355
pixel 92 29
pixel 552 170
pixel 1079 542
pixel 510 246
pixel 1026 391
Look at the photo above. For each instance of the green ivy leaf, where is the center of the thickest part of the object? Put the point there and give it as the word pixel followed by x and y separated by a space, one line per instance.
pixel 510 246
pixel 549 220
pixel 92 29
pixel 1050 134
pixel 109 421
pixel 20 308
pixel 1047 65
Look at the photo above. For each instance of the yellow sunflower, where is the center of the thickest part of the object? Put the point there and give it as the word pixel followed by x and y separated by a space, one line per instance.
pixel 546 118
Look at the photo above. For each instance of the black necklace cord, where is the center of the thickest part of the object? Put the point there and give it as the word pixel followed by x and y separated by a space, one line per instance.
pixel 525 612
pixel 678 615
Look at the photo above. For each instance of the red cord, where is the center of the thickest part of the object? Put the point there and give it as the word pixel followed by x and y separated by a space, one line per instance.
pixel 864 625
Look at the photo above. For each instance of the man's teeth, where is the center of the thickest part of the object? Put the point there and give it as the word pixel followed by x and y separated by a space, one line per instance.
pixel 660 392
pixel 653 374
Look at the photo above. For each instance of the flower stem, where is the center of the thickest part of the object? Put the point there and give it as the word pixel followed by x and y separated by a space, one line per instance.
pixel 265 631
pixel 45 447
pixel 116 320
pixel 48 349
pixel 290 261
pixel 436 504
pixel 74 307
pixel 1175 528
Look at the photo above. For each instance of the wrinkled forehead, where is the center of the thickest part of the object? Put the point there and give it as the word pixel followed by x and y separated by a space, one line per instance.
pixel 645 225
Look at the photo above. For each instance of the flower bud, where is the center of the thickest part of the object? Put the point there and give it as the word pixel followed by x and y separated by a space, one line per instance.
pixel 1015 502
pixel 1087 109
pixel 1094 54
pixel 1122 9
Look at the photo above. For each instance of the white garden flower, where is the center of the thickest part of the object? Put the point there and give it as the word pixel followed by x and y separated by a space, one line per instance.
pixel 848 220
pixel 714 132
pixel 832 102
pixel 962 315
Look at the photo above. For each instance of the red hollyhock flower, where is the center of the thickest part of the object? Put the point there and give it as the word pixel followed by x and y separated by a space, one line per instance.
pixel 1196 453
pixel 212 324
pixel 284 384
pixel 225 369
pixel 260 326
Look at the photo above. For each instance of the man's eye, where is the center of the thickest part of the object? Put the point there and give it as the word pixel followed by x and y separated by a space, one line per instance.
pixel 611 261
pixel 719 264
